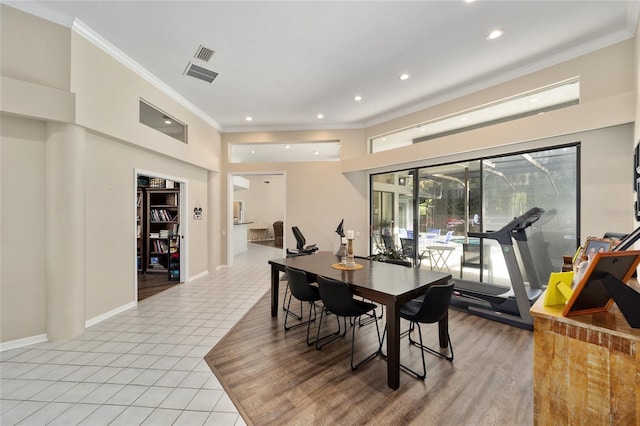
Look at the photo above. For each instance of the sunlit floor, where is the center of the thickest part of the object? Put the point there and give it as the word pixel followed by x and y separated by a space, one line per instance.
pixel 142 367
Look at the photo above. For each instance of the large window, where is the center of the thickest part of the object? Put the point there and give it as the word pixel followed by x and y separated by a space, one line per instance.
pixel 441 205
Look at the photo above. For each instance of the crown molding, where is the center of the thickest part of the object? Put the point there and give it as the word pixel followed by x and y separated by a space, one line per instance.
pixel 96 39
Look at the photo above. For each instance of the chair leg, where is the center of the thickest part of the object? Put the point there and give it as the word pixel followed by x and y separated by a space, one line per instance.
pixel 420 345
pixel 329 337
pixel 430 350
pixel 308 321
pixel 286 309
pixel 353 342
pixel 312 305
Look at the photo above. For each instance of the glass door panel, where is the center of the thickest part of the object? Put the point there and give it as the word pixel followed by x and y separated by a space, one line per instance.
pixel 548 179
pixel 449 198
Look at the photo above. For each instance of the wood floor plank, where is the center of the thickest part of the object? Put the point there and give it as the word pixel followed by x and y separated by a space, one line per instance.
pixel 273 377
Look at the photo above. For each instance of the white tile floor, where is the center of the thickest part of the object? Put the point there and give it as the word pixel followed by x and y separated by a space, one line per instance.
pixel 142 367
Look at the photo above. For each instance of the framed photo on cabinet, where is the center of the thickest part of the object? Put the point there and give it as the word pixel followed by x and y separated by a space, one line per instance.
pixel 590 294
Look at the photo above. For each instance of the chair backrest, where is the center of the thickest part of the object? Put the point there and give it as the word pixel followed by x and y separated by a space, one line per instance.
pixel 447 238
pixel 337 297
pixel 388 242
pixel 407 246
pixel 300 240
pixel 435 304
pixel 277 228
pixel 299 284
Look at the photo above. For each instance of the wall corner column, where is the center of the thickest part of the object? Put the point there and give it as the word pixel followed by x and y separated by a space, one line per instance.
pixel 65 231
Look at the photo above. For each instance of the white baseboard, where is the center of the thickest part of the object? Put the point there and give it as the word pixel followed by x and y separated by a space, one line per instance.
pixel 200 275
pixel 26 341
pixel 95 320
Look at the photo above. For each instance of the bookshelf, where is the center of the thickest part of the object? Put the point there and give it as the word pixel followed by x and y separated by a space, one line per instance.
pixel 161 248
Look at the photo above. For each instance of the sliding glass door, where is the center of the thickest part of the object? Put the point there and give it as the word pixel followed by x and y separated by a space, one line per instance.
pixel 450 201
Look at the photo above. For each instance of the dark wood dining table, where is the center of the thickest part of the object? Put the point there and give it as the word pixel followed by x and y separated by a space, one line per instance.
pixel 385 283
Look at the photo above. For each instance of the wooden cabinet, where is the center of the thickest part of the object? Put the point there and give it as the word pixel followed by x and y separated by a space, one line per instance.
pixel 586 368
pixel 161 246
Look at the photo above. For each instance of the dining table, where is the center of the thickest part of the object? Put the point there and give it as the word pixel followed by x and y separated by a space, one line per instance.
pixel 388 284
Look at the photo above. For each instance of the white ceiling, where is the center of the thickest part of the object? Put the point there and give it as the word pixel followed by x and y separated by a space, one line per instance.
pixel 283 63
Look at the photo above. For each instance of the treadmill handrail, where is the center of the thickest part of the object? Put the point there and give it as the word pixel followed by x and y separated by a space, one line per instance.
pixel 514 229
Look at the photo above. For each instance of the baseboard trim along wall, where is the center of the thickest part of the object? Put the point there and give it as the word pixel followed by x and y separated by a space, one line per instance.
pixel 95 320
pixel 25 341
pixel 200 275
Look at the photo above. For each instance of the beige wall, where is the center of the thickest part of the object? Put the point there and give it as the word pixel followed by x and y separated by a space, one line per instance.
pixel 22 238
pixel 82 85
pixel 607 98
pixel 319 194
pixel 107 101
pixel 264 203
pixel 110 218
pixel 34 50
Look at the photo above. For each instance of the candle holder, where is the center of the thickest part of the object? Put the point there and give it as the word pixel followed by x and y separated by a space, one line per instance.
pixel 350 262
pixel 343 251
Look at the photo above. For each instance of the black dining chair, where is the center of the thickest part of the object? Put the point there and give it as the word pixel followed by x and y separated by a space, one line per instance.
pixel 301 288
pixel 409 251
pixel 428 310
pixel 338 300
pixel 287 301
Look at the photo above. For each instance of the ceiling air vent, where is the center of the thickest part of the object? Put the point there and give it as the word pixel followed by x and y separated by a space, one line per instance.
pixel 204 54
pixel 201 73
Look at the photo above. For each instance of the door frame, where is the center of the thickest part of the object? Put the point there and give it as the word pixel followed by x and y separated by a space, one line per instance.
pixel 183 228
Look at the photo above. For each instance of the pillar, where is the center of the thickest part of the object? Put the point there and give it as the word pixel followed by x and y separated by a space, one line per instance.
pixel 65 230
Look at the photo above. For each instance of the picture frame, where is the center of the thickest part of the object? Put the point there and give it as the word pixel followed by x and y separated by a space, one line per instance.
pixel 591 295
pixel 595 245
pixel 576 255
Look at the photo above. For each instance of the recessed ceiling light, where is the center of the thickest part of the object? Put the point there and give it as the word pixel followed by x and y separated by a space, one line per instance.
pixel 321 116
pixel 469 1
pixel 495 34
pixel 167 121
pixel 249 118
pixel 404 76
pixel 315 153
pixel 253 151
pixel 287 146
pixel 357 98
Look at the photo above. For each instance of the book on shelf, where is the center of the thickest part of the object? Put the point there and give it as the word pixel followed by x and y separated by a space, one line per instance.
pixel 163 215
pixel 160 246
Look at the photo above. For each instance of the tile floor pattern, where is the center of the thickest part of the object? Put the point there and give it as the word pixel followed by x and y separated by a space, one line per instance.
pixel 144 366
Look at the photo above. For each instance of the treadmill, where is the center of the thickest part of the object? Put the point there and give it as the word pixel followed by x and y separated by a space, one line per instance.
pixel 509 305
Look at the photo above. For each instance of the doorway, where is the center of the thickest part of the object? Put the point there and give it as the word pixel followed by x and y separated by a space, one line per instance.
pixel 256 202
pixel 160 202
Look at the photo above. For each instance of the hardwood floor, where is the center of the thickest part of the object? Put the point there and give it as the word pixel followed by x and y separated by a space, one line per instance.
pixel 150 284
pixel 273 377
